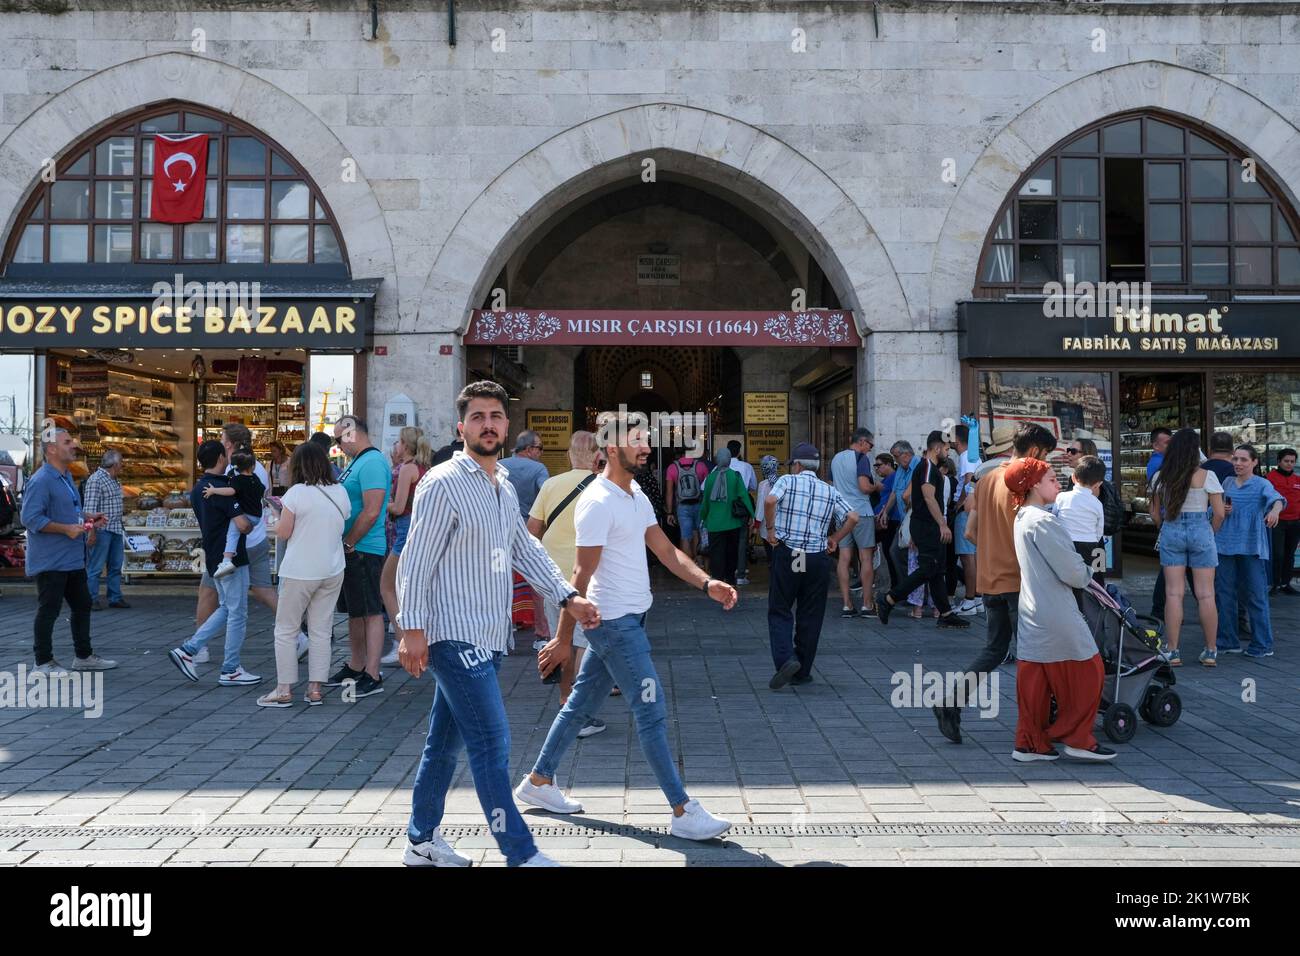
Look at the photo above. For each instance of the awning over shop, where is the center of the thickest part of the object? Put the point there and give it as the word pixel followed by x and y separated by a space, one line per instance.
pixel 234 313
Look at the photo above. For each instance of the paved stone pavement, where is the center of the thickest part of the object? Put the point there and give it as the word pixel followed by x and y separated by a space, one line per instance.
pixel 827 773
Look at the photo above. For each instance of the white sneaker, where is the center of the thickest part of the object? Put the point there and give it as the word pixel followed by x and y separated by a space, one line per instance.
pixel 93 663
pixel 202 657
pixel 548 797
pixel 50 667
pixel 303 644
pixel 435 852
pixel 390 659
pixel 540 859
pixel 591 728
pixel 225 568
pixel 239 678
pixel 696 823
pixel 970 607
pixel 538 644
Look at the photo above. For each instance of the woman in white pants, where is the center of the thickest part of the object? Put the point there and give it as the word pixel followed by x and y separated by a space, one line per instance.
pixel 315 509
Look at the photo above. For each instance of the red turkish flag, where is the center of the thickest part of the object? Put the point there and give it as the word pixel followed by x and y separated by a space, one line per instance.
pixel 180 166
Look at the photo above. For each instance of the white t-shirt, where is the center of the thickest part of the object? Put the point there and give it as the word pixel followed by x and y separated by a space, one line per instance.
pixel 746 471
pixel 314 551
pixel 1082 514
pixel 606 516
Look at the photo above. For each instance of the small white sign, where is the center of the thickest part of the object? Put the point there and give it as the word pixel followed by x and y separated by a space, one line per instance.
pixel 658 270
pixel 140 543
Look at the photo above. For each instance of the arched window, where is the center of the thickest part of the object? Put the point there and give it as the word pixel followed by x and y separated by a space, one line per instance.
pixel 1144 198
pixel 260 207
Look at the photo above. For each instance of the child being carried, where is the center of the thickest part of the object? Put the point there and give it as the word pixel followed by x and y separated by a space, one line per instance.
pixel 1081 511
pixel 248 490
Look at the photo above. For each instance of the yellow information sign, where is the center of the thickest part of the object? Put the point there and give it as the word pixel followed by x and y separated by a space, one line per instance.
pixel 763 440
pixel 554 428
pixel 767 408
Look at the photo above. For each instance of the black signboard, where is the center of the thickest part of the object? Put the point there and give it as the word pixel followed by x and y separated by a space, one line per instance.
pixel 1175 331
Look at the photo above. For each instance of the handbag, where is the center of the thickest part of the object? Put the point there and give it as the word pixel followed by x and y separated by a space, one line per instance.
pixel 739 509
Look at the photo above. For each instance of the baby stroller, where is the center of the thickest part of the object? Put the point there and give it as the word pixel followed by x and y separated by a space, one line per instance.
pixel 1138 678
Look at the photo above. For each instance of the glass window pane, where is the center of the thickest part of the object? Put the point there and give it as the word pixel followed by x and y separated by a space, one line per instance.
pixel 198 123
pixel 1165 222
pixel 1123 137
pixel 245 201
pixel 290 199
pixel 280 166
pixel 210 199
pixel 999 264
pixel 320 213
pixel 200 240
pixel 1166 264
pixel 214 153
pixel 113 200
pixel 1284 233
pixel 1254 265
pixel 1207 177
pixel 68 243
pixel 1084 144
pixel 327 249
pixel 1079 177
pixel 1246 188
pixel 289 243
pixel 245 156
pixel 115 157
pixel 1288 266
pixel 1201 146
pixel 1210 265
pixel 80 167
pixel 1080 220
pixel 1163 181
pixel 168 123
pixel 1250 222
pixel 146 156
pixel 245 243
pixel 31 245
pixel 1041 181
pixel 1209 221
pixel 112 243
pixel 1163 138
pixel 157 241
pixel 70 199
pixel 146 199
pixel 1038 220
pixel 1038 265
pixel 1081 263
pixel 1005 230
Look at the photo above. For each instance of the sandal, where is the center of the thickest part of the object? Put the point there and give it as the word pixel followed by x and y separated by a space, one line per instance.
pixel 313 698
pixel 270 700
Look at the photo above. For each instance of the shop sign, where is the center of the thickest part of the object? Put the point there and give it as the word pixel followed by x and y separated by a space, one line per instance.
pixel 1201 330
pixel 763 440
pixel 810 329
pixel 554 428
pixel 658 270
pixel 767 408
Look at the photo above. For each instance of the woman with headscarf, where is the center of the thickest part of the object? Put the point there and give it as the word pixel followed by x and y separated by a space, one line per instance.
pixel 725 510
pixel 1056 655
pixel 767 466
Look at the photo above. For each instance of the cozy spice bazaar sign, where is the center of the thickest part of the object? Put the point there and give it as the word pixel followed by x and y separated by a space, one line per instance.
pixel 812 329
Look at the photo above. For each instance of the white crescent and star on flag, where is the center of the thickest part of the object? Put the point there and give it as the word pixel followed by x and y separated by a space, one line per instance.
pixel 179 184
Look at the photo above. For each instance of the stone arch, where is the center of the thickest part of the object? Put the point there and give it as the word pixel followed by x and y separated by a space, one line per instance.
pixel 66 117
pixel 1150 84
pixel 723 151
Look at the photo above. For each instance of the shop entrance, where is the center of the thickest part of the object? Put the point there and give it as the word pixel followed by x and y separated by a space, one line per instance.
pixel 1147 401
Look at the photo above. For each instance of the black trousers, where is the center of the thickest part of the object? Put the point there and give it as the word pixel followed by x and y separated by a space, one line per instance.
pixel 724 554
pixel 1000 612
pixel 1285 538
pixel 885 539
pixel 796 605
pixel 930 570
pixel 52 589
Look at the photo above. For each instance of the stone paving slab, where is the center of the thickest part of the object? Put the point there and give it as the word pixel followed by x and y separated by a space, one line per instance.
pixel 168 752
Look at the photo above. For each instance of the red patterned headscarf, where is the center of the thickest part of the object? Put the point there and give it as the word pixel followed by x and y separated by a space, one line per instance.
pixel 1021 475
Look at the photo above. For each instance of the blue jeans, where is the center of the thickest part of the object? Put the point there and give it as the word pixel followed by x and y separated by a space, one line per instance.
pixel 1244 576
pixel 619 654
pixel 468 714
pixel 231 616
pixel 109 548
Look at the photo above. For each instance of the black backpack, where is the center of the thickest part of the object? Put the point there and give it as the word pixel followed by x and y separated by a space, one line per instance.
pixel 1112 508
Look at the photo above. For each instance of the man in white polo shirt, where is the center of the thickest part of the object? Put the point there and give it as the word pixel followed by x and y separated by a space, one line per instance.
pixel 615 524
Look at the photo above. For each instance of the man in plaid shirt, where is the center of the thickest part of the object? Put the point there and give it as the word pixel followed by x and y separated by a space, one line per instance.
pixel 104 494
pixel 799 511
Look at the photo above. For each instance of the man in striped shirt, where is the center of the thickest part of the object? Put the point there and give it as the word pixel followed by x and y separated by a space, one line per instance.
pixel 615 523
pixel 454 585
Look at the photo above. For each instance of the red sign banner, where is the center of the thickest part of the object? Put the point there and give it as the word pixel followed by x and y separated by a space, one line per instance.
pixel 817 328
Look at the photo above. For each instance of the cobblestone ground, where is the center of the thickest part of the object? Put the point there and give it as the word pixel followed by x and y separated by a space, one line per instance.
pixel 827 773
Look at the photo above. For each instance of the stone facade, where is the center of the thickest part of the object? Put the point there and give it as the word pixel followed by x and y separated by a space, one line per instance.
pixel 883 138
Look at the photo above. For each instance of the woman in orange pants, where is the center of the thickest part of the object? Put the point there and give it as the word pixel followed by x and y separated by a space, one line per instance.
pixel 1056 654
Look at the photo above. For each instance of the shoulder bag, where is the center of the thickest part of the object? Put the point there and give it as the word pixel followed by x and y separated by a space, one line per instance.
pixel 568 500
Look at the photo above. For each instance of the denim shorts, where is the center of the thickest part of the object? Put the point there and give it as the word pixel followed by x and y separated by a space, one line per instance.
pixel 688 519
pixel 1188 541
pixel 401 527
pixel 961 545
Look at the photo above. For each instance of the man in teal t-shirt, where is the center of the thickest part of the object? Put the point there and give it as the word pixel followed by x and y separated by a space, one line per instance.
pixel 366 480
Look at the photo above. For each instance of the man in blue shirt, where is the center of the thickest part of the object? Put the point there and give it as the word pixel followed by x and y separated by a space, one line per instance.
pixel 58 533
pixel 527 473
pixel 1159 442
pixel 895 510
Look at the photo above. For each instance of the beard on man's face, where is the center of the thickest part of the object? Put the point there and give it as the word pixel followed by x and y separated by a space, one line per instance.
pixel 486 442
pixel 631 459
